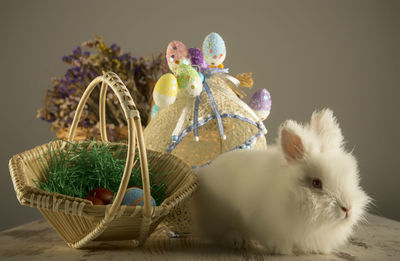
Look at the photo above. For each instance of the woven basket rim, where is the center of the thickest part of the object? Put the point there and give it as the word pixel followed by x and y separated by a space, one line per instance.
pixel 24 192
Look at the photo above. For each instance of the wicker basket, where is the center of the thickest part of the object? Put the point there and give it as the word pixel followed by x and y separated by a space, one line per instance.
pixel 77 220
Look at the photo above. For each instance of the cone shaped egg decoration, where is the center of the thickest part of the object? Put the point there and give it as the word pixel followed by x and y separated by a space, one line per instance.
pixel 207 118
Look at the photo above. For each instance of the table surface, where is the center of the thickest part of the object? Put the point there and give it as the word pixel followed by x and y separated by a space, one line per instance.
pixel 379 239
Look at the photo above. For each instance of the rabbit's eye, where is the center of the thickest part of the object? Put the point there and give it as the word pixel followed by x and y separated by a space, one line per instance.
pixel 316 183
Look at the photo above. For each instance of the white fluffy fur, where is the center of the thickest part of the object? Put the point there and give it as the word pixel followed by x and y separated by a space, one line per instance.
pixel 268 197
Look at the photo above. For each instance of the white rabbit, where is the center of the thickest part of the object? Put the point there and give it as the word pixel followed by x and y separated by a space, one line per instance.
pixel 301 196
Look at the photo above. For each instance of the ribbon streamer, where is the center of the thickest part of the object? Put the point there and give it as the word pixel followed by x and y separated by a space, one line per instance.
pixel 208 73
pixel 196 118
pixel 215 109
pixel 181 120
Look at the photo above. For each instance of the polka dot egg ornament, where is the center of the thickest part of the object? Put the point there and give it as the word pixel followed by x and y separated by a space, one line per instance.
pixel 260 102
pixel 177 54
pixel 190 80
pixel 214 50
pixel 165 91
pixel 135 197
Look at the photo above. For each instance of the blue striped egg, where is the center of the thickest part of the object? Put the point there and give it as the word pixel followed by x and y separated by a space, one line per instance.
pixel 135 197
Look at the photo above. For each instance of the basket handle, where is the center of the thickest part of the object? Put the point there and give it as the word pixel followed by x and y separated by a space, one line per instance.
pixel 134 123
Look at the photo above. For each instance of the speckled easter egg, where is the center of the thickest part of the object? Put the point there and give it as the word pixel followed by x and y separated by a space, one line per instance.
pixel 135 197
pixel 165 91
pixel 190 80
pixel 260 102
pixel 177 54
pixel 214 49
pixel 197 58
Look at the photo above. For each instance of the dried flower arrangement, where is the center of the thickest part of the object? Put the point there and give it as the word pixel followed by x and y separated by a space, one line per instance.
pixel 87 62
pixel 82 167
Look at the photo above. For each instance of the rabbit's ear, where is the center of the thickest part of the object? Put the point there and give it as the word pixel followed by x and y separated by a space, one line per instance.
pixel 290 141
pixel 324 124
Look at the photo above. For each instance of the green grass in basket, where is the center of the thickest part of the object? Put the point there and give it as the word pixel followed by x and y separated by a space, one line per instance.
pixel 81 167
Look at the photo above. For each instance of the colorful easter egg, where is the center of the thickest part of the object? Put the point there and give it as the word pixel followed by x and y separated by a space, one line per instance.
pixel 135 197
pixel 177 54
pixel 165 91
pixel 103 194
pixel 260 102
pixel 197 58
pixel 95 201
pixel 190 80
pixel 214 50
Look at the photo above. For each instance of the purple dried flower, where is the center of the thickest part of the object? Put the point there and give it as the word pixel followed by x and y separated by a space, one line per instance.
pixel 86 122
pixel 77 51
pixel 67 59
pixel 61 101
pixel 63 91
pixel 136 70
pixel 115 48
pixel 125 56
pixel 92 75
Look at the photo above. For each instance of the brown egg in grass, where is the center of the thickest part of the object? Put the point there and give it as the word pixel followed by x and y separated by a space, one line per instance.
pixel 95 200
pixel 105 195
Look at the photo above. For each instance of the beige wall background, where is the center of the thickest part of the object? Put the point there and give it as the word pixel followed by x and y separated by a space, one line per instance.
pixel 309 54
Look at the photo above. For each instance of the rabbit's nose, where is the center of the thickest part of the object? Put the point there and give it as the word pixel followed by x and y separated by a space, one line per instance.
pixel 345 209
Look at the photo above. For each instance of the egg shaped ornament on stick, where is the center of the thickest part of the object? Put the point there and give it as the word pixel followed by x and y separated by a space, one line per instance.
pixel 176 55
pixel 165 91
pixel 189 80
pixel 214 50
pixel 260 102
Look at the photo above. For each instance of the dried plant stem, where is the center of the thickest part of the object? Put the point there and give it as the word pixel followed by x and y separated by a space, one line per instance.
pixel 246 79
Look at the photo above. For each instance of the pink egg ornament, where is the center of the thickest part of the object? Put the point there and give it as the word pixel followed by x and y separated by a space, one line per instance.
pixel 176 55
